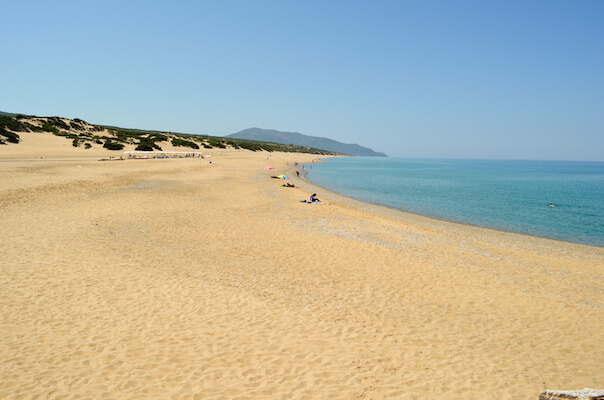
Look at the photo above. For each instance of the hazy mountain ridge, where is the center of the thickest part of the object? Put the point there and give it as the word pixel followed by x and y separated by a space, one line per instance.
pixel 295 138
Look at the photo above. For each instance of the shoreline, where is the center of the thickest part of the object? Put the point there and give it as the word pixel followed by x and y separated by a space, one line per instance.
pixel 183 279
pixel 420 218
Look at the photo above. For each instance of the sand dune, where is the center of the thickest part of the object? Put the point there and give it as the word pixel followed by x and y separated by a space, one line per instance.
pixel 181 279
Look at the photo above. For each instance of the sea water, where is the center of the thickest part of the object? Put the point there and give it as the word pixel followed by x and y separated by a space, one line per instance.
pixel 505 195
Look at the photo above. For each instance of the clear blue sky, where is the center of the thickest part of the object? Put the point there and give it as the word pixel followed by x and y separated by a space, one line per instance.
pixel 453 79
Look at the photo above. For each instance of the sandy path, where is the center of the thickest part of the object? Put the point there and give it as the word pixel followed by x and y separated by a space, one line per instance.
pixel 177 279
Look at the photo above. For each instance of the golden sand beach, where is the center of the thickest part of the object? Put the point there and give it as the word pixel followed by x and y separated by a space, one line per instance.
pixel 181 279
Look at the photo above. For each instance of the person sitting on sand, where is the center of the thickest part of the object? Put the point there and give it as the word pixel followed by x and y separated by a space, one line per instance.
pixel 314 198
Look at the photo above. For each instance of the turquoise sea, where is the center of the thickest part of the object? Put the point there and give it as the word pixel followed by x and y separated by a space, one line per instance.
pixel 505 195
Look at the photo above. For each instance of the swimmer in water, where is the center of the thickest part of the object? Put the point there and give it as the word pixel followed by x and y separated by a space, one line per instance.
pixel 552 205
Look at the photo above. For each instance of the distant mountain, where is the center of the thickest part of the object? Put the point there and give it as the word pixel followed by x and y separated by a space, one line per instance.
pixel 268 135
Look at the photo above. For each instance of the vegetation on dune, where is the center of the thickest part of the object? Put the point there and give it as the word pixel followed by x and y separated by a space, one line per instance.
pixel 145 145
pixel 149 143
pixel 59 123
pixel 76 126
pixel 50 128
pixel 184 143
pixel 216 142
pixel 85 134
pixel 8 136
pixel 251 146
pixel 113 145
pixel 9 127
pixel 157 137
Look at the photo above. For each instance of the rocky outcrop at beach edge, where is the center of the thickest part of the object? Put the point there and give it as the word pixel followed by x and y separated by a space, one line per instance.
pixel 585 394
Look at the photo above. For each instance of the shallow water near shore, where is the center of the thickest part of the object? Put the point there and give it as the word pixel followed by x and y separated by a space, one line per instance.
pixel 507 195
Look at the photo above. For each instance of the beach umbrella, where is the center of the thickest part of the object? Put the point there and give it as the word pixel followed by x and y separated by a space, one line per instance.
pixel 268 167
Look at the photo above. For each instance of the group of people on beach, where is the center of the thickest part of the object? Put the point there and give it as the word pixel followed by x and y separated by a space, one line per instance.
pixel 313 197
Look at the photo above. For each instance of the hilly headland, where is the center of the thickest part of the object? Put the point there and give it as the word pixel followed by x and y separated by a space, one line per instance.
pixel 270 135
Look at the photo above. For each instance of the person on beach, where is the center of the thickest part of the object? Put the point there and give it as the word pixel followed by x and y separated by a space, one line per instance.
pixel 314 198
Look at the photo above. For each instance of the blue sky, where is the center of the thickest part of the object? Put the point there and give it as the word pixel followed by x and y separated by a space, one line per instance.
pixel 443 79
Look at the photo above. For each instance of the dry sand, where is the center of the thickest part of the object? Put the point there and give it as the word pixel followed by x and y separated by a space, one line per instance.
pixel 181 279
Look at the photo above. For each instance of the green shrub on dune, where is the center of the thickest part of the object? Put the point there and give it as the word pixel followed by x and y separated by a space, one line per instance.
pixel 157 137
pixel 250 146
pixel 113 145
pixel 217 143
pixel 184 143
pixel 8 124
pixel 58 122
pixel 50 128
pixel 10 136
pixel 146 145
